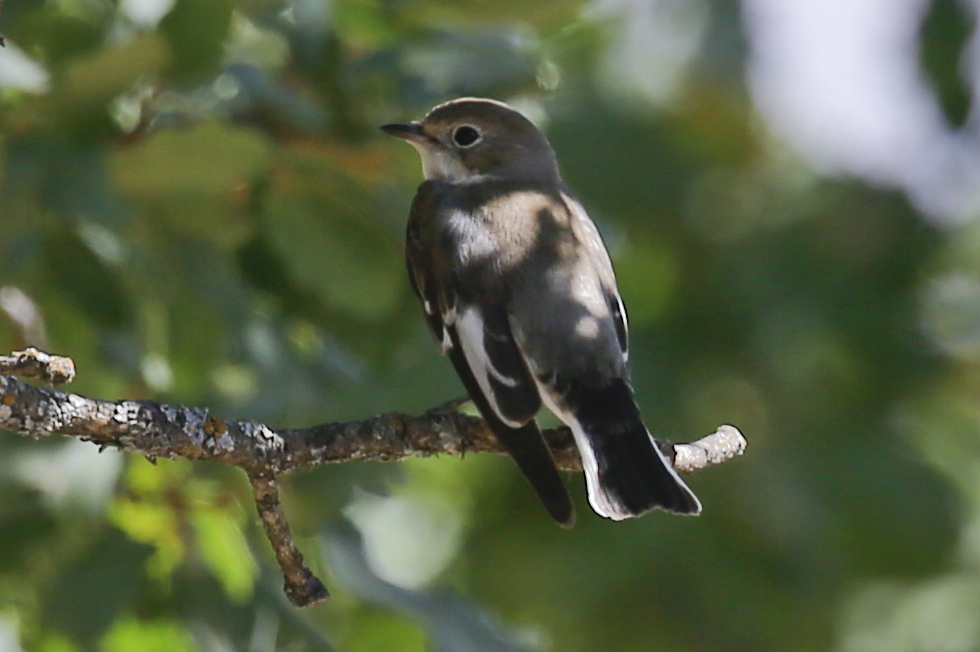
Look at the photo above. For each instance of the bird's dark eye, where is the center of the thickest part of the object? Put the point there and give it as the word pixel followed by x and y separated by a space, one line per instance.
pixel 465 136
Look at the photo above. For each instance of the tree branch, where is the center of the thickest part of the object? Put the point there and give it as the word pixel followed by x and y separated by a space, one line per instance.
pixel 177 432
pixel 32 363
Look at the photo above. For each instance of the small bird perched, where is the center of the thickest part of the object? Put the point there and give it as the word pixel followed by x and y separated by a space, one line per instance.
pixel 518 287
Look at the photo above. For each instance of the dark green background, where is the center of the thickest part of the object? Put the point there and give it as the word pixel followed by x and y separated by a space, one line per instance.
pixel 204 212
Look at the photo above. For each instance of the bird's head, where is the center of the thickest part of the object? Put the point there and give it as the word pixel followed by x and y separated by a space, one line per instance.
pixel 468 140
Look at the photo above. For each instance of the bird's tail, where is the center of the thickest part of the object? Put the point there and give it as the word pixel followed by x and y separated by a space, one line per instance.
pixel 533 458
pixel 625 471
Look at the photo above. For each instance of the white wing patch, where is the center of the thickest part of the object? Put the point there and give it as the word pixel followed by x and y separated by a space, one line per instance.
pixel 448 321
pixel 469 328
pixel 621 315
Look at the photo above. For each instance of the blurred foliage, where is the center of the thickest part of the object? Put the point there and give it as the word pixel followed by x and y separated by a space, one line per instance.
pixel 196 205
pixel 945 37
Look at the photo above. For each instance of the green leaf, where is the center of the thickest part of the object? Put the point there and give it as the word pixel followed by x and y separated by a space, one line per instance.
pixel 91 591
pixel 24 525
pixel 196 30
pixel 331 234
pixel 543 15
pixel 78 105
pixel 945 36
pixel 207 160
pixel 57 37
pixel 223 548
pixel 195 179
pixel 369 630
pixel 100 77
pixel 130 634
pixel 348 269
pixel 94 288
pixel 145 512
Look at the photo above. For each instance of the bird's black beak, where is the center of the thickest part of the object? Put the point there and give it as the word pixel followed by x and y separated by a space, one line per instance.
pixel 409 131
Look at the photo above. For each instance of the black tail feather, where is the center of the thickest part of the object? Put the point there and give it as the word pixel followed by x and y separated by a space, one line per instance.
pixel 529 450
pixel 633 476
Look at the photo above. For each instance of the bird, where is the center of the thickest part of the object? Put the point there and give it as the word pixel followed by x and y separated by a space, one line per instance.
pixel 519 289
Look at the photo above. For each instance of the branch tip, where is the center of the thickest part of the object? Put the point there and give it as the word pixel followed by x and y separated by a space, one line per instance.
pixel 31 363
pixel 722 445
pixel 300 585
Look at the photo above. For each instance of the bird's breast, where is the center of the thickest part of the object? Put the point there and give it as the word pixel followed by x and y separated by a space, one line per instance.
pixel 509 230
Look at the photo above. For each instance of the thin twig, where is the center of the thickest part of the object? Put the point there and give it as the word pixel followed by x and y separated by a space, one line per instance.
pixel 301 586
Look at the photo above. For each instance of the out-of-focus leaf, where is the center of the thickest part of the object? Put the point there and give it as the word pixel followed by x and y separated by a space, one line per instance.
pixel 197 177
pixel 146 514
pixel 151 523
pixel 715 126
pixel 625 164
pixel 85 280
pixel 196 30
pixel 58 37
pixel 130 634
pixel 49 182
pixel 224 549
pixel 24 524
pixel 53 642
pixel 207 159
pixel 372 630
pixel 453 63
pixel 945 36
pixel 454 624
pixel 543 15
pixel 363 23
pixel 332 235
pixel 163 502
pixel 348 270
pixel 89 83
pixel 95 588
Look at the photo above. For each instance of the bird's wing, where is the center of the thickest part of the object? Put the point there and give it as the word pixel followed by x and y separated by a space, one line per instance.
pixel 475 333
pixel 626 473
pixel 467 316
pixel 417 261
pixel 588 235
pixel 483 336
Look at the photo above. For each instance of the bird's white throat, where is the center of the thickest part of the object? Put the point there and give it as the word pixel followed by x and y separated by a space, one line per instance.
pixel 440 165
